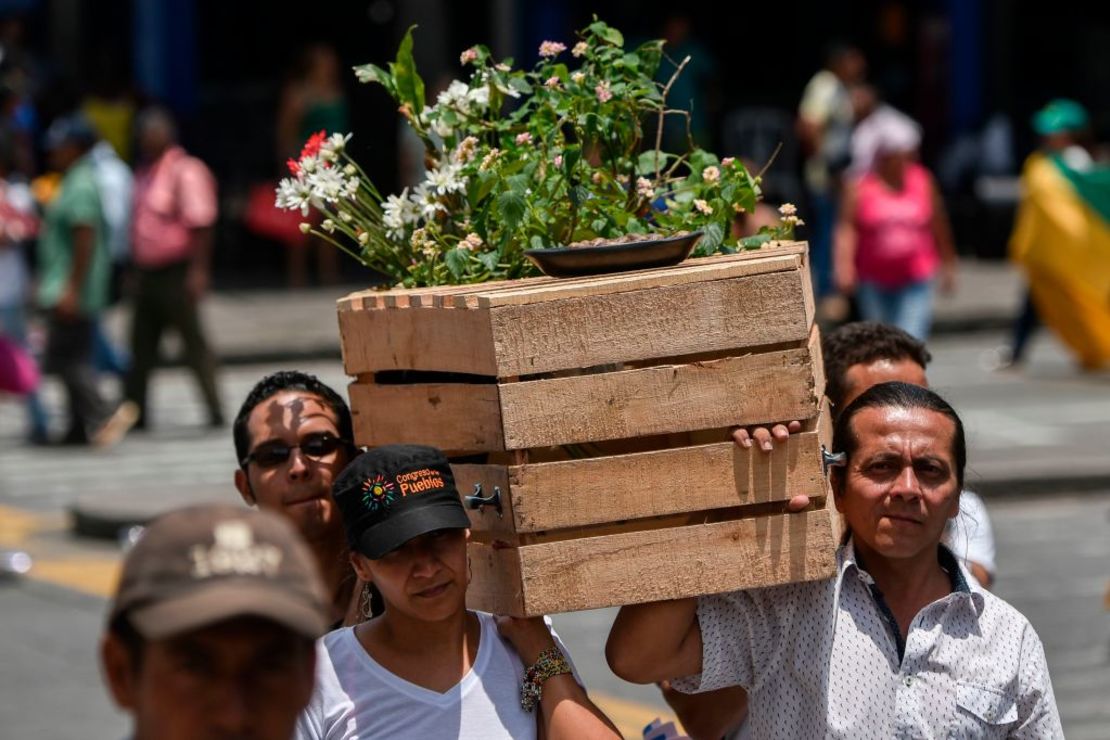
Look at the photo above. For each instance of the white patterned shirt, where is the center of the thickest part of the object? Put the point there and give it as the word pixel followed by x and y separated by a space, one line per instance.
pixel 825 659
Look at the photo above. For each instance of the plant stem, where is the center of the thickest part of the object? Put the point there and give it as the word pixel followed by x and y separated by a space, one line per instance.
pixel 662 107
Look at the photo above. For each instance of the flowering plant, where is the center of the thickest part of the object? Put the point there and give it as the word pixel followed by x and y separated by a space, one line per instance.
pixel 520 159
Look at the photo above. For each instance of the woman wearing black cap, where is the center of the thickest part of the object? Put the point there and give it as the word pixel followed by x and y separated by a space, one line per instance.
pixel 428 667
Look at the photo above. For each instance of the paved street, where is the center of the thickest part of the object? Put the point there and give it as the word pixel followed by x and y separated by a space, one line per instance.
pixel 1047 423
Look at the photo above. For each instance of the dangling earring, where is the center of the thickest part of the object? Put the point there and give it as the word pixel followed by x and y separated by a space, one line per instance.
pixel 364 604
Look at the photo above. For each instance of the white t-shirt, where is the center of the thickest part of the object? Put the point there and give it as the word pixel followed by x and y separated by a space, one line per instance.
pixel 969 536
pixel 357 699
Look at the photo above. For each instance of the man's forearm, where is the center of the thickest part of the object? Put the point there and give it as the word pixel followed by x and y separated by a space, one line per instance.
pixel 654 642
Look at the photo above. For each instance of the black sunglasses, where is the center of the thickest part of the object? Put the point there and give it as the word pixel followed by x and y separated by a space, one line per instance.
pixel 315 446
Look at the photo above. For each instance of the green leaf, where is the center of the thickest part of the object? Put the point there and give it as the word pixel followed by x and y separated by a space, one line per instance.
pixel 520 85
pixel 631 61
pixel 651 55
pixel 374 73
pixel 519 183
pixel 714 235
pixel 489 260
pixel 645 165
pixel 456 261
pixel 700 159
pixel 536 242
pixel 612 35
pixel 481 186
pixel 571 156
pixel 410 88
pixel 754 242
pixel 511 207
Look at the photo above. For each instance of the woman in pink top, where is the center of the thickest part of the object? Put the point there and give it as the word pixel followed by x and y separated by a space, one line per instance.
pixel 894 235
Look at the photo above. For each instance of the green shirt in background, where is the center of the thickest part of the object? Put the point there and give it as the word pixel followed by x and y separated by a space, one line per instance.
pixel 77 204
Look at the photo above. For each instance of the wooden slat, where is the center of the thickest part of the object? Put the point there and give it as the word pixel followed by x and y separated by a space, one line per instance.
pixel 486 521
pixel 637 567
pixel 643 280
pixel 561 495
pixel 753 389
pixel 451 416
pixel 495 584
pixel 416 339
pixel 519 291
pixel 709 316
pixel 440 293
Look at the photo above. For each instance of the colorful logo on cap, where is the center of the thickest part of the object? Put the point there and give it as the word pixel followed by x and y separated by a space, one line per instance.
pixel 377 492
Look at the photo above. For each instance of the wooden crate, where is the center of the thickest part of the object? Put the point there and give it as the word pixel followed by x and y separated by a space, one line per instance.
pixel 600 409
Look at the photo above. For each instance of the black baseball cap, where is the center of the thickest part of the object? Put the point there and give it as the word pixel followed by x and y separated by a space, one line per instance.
pixel 205 564
pixel 393 493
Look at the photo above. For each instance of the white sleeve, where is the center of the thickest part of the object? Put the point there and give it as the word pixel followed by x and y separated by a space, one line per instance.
pixel 1037 712
pixel 970 534
pixel 740 631
pixel 310 725
pixel 563 648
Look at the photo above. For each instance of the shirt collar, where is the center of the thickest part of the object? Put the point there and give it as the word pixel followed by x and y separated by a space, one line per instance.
pixel 961 588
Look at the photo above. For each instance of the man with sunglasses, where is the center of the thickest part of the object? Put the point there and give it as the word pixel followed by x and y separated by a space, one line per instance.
pixel 292 438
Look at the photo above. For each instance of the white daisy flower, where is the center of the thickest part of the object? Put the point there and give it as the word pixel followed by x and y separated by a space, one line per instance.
pixel 447 179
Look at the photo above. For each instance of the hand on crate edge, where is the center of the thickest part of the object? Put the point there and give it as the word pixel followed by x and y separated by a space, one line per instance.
pixel 765 437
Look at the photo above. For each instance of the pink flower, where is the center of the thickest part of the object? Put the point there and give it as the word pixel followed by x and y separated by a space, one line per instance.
pixel 551 82
pixel 644 187
pixel 550 49
pixel 558 160
pixel 524 138
pixel 711 174
pixel 727 161
pixel 703 207
pixel 580 48
pixel 468 56
pixel 604 94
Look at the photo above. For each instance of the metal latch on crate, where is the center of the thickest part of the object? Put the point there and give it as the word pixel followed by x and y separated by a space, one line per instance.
pixel 831 459
pixel 475 500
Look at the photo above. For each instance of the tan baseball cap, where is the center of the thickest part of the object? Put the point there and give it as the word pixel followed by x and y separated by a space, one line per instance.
pixel 204 564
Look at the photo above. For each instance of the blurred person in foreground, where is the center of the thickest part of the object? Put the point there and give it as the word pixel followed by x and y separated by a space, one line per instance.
pixel 75 270
pixel 857 356
pixel 174 213
pixel 893 238
pixel 211 630
pixel 900 642
pixel 292 438
pixel 427 666
pixel 1061 238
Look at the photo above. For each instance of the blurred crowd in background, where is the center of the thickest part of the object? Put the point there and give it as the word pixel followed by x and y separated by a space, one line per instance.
pixel 896 129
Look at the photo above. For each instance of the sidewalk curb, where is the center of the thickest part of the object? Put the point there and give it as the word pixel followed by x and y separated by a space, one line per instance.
pixel 1009 489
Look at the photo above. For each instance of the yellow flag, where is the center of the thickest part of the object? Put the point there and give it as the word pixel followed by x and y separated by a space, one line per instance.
pixel 1064 246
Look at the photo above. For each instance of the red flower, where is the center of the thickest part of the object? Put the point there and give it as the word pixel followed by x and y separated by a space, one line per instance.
pixel 312 146
pixel 293 166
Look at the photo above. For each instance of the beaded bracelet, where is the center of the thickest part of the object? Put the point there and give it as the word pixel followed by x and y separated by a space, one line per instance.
pixel 550 663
